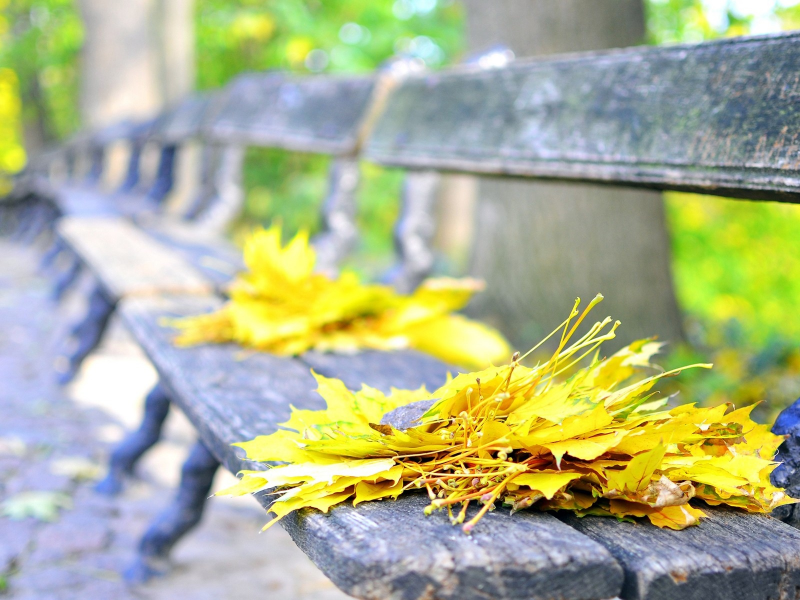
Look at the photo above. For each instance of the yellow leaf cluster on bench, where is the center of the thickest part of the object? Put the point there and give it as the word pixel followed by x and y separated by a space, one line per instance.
pixel 282 306
pixel 557 436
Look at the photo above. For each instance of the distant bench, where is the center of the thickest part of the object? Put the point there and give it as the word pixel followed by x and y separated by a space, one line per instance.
pixel 717 118
pixel 142 254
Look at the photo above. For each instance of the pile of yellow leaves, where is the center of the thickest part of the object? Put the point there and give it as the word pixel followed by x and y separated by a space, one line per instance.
pixel 593 440
pixel 282 306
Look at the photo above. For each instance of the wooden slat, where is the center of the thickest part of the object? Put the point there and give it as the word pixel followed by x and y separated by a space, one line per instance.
pixel 720 117
pixel 380 550
pixel 81 200
pixel 126 261
pixel 121 130
pixel 382 370
pixel 228 394
pixel 216 258
pixel 391 550
pixel 186 119
pixel 731 556
pixel 320 114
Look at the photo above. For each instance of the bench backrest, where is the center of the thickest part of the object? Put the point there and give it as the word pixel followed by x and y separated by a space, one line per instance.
pixel 316 114
pixel 322 114
pixel 718 118
pixel 172 129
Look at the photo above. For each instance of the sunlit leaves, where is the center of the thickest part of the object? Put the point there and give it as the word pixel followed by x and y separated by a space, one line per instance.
pixel 282 306
pixel 590 439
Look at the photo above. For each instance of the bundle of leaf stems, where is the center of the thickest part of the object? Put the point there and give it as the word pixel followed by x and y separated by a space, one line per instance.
pixel 484 480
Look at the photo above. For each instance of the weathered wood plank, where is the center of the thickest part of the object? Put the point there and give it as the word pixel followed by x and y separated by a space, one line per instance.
pixel 382 370
pixel 85 201
pixel 730 556
pixel 186 119
pixel 213 256
pixel 126 261
pixel 121 130
pixel 82 201
pixel 229 395
pixel 320 114
pixel 383 550
pixel 720 117
pixel 380 550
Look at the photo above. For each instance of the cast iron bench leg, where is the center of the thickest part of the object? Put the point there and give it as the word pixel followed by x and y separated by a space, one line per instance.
pixel 56 248
pixel 787 474
pixel 130 450
pixel 88 332
pixel 67 278
pixel 181 516
pixel 23 222
pixel 36 223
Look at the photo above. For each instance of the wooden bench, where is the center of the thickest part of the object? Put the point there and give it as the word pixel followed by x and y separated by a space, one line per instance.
pixel 323 115
pixel 141 194
pixel 717 118
pixel 140 190
pixel 28 210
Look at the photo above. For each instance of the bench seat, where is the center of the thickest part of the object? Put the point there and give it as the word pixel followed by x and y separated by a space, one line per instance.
pixel 82 200
pixel 126 261
pixel 206 250
pixel 390 550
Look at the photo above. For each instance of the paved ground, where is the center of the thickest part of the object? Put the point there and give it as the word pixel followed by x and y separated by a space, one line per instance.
pixel 54 443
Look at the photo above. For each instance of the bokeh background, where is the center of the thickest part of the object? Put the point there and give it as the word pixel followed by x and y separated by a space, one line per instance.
pixel 736 264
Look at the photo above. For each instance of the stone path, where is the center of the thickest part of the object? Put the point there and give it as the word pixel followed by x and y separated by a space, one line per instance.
pixel 53 445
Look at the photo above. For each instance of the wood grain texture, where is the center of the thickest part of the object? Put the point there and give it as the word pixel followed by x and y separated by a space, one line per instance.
pixel 320 114
pixel 186 119
pixel 366 551
pixel 382 370
pixel 383 550
pixel 228 394
pixel 126 261
pixel 730 556
pixel 719 117
pixel 213 256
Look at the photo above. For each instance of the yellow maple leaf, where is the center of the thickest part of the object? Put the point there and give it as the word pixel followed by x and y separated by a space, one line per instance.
pixel 556 436
pixel 281 305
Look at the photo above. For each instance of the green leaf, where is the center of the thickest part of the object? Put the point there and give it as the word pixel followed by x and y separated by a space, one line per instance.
pixel 43 506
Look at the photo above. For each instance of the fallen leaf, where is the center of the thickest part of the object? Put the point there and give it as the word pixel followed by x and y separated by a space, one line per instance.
pixel 43 506
pixel 77 468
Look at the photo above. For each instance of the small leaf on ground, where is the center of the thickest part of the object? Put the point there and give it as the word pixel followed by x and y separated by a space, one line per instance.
pixel 12 446
pixel 77 468
pixel 43 506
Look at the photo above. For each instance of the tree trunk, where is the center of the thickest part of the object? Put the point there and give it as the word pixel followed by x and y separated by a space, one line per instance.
pixel 118 71
pixel 138 56
pixel 175 26
pixel 539 245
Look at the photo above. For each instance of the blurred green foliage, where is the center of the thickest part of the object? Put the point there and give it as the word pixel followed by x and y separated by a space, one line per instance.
pixel 333 36
pixel 39 45
pixel 736 266
pixel 671 21
pixel 736 263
